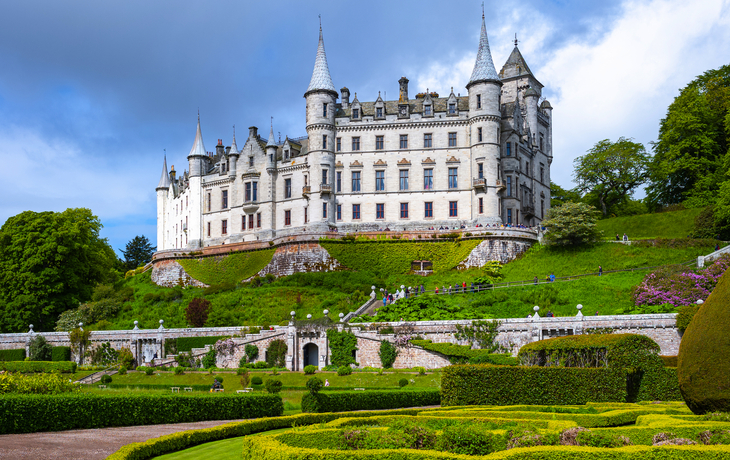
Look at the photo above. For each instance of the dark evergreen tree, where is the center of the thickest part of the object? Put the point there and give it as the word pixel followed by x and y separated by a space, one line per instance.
pixel 137 252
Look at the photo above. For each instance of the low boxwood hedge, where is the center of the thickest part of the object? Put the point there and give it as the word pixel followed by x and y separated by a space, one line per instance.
pixel 12 355
pixel 33 413
pixel 363 400
pixel 461 354
pixel 507 385
pixel 61 354
pixel 185 344
pixel 27 367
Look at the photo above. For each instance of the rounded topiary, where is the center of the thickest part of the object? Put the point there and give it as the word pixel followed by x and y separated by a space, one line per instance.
pixel 402 382
pixel 149 370
pixel 314 385
pixel 106 379
pixel 344 370
pixel 122 370
pixel 703 363
pixel 309 370
pixel 273 385
pixel 256 380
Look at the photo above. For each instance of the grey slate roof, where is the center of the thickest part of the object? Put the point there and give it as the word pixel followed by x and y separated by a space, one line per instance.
pixel 234 147
pixel 439 104
pixel 198 147
pixel 165 178
pixel 321 79
pixel 484 66
pixel 271 142
pixel 515 65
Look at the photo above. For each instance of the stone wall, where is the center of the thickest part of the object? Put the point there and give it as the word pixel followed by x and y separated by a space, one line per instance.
pixel 170 273
pixel 502 249
pixel 300 257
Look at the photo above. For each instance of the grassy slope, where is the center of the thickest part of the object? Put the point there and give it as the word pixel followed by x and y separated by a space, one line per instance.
pixel 676 224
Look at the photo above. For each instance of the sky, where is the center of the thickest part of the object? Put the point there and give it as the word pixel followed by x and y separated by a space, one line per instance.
pixel 93 93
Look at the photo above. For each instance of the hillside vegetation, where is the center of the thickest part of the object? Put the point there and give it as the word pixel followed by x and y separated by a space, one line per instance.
pixel 675 224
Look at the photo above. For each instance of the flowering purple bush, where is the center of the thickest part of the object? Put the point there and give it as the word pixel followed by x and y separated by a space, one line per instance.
pixel 679 286
pixel 225 347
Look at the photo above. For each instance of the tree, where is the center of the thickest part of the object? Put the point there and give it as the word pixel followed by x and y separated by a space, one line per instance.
pixel 612 171
pixel 693 143
pixel 49 263
pixel 559 195
pixel 197 312
pixel 571 224
pixel 137 252
pixel 39 349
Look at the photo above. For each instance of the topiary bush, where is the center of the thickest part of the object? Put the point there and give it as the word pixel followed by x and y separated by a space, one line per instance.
pixel 256 380
pixel 122 370
pixel 309 370
pixel 388 352
pixel 106 379
pixel 273 385
pixel 344 370
pixel 149 370
pixel 276 353
pixel 685 315
pixel 60 354
pixel 402 382
pixel 703 362
pixel 39 349
pixel 314 385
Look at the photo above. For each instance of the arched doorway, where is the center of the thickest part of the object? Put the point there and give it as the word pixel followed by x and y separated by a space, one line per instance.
pixel 311 355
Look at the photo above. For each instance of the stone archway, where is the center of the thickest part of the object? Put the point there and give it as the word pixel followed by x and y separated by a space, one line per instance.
pixel 311 355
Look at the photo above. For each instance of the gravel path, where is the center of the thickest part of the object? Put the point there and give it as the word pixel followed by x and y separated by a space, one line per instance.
pixel 95 444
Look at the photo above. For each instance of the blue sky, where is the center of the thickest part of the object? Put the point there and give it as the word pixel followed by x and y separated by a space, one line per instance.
pixel 92 92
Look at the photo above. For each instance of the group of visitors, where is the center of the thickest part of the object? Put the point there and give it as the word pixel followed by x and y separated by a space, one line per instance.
pixel 625 238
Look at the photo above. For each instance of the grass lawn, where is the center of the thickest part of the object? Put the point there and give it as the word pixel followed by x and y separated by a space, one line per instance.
pixel 226 449
pixel 676 224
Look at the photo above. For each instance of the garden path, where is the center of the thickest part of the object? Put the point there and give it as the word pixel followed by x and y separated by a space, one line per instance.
pixel 86 444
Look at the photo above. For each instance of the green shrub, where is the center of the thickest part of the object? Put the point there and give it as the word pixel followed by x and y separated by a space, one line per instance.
pixel 402 382
pixel 209 359
pixel 12 355
pixel 669 361
pixel 251 353
pixel 309 370
pixel 33 413
pixel 219 378
pixel 704 354
pixel 60 354
pixel 276 353
pixel 507 385
pixel 421 370
pixel 179 370
pixel 342 347
pixel 256 380
pixel 342 401
pixel 26 367
pixel 685 315
pixel 186 344
pixel 273 385
pixel 39 349
pixel 461 354
pixel 344 370
pixel 470 439
pixel 230 269
pixel 388 352
pixel 125 357
pixel 106 379
pixel 149 370
pixel 314 385
pixel 122 370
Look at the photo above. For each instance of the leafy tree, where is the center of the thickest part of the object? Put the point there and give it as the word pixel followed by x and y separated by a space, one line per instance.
pixel 137 252
pixel 49 263
pixel 197 311
pixel 571 224
pixel 388 352
pixel 559 195
pixel 691 153
pixel 276 353
pixel 612 171
pixel 481 334
pixel 39 349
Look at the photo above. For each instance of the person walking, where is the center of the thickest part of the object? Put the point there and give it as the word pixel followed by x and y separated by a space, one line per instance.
pixel 626 238
pixel 618 238
pixel 535 280
pixel 600 270
pixel 552 277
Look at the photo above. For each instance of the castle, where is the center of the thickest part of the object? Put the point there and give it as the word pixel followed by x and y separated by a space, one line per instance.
pixel 411 164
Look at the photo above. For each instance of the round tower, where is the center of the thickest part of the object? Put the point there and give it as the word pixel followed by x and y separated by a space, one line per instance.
pixel 162 189
pixel 321 98
pixel 484 90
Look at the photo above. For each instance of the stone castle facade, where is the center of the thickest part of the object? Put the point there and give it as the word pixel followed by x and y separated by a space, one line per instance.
pixel 407 164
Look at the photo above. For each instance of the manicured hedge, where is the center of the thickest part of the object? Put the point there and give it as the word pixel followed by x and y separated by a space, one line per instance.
pixel 363 400
pixel 66 367
pixel 146 386
pixel 33 413
pixel 507 385
pixel 185 344
pixel 228 269
pixel 460 354
pixel 61 354
pixel 12 355
pixel 669 361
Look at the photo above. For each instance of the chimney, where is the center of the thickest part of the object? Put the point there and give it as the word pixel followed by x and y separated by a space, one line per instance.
pixel 403 98
pixel 172 173
pixel 345 97
pixel 219 149
pixel 253 132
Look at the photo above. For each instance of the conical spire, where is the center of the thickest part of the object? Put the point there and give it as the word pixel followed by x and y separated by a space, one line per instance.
pixel 272 142
pixel 515 65
pixel 198 147
pixel 165 178
pixel 234 147
pixel 484 66
pixel 321 79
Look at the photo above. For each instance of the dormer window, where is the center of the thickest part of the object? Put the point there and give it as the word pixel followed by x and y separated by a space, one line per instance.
pixel 452 109
pixel 427 110
pixel 286 154
pixel 355 113
pixel 379 112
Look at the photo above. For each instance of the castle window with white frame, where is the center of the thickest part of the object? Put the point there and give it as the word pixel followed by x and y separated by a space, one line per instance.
pixel 480 170
pixel 338 185
pixel 379 181
pixel 427 110
pixel 403 179
pixel 380 211
pixel 427 141
pixel 355 212
pixel 250 221
pixel 356 181
pixel 355 114
pixel 404 141
pixel 379 142
pixel 453 178
pixel 339 144
pixel 428 179
pixel 453 209
pixel 452 108
pixel 378 112
pixel 224 227
pixel 224 199
pixel 287 217
pixel 355 144
pixel 404 210
pixel 428 210
pixel 247 192
pixel 452 139
pixel 287 188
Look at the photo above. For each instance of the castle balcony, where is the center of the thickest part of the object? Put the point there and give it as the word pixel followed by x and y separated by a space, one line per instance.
pixel 528 208
pixel 500 184
pixel 250 206
pixel 479 183
pixel 325 188
pixel 306 190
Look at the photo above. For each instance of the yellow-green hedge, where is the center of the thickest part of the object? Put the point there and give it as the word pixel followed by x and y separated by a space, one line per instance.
pixel 227 269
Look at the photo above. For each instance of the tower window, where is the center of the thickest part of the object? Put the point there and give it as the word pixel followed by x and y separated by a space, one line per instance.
pixel 542 142
pixel 479 134
pixel 258 219
pixel 509 185
pixel 255 191
pixel 509 216
pixel 379 144
pixel 287 217
pixel 452 139
pixel 355 144
pixel 339 212
pixel 324 109
pixel 427 141
pixel 339 181
pixel 324 176
pixel 481 205
pixel 324 142
pixel 208 228
pixel 339 144
pixel 209 206
pixel 404 141
pixel 324 210
pixel 247 193
pixel 480 167
pixel 250 161
pixel 508 151
pixel 479 101
pixel 224 199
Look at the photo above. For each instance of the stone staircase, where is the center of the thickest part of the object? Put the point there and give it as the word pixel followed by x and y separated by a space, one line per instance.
pixel 96 376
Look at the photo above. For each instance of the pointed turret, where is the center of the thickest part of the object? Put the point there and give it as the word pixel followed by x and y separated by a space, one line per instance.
pixel 234 147
pixel 321 79
pixel 484 66
pixel 272 141
pixel 165 178
pixel 515 65
pixel 198 147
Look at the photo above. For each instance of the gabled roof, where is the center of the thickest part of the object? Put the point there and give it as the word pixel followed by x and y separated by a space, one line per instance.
pixel 484 66
pixel 515 65
pixel 165 178
pixel 321 79
pixel 198 147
